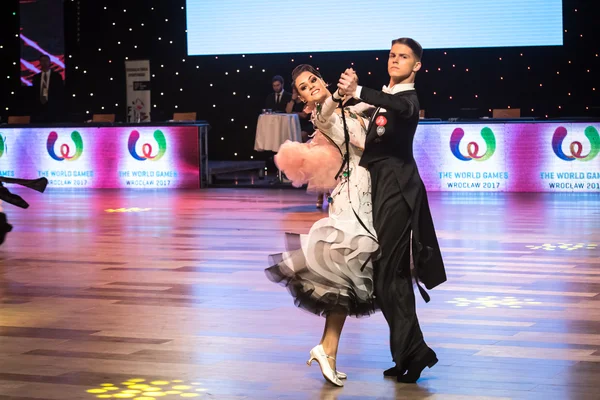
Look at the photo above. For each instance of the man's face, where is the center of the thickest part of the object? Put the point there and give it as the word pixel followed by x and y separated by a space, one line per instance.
pixel 45 63
pixel 402 62
pixel 277 86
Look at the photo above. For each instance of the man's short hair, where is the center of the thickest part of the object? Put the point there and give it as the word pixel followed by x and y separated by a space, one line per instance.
pixel 278 78
pixel 413 44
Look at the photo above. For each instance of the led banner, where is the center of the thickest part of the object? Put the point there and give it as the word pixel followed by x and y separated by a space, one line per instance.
pixel 8 158
pixel 535 157
pixel 494 157
pixel 569 159
pixel 436 24
pixel 466 158
pixel 112 157
pixel 157 157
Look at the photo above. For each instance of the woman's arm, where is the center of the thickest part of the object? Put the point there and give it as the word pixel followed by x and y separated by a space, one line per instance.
pixel 330 122
pixel 326 115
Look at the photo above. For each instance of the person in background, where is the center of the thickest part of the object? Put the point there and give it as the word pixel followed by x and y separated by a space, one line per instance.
pixel 278 100
pixel 48 93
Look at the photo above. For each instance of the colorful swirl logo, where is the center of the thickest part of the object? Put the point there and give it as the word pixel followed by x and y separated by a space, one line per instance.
pixel 147 147
pixel 65 150
pixel 576 147
pixel 473 147
pixel 2 145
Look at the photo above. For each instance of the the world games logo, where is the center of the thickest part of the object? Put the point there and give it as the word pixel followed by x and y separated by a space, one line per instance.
pixel 65 150
pixel 576 148
pixel 147 147
pixel 2 145
pixel 473 148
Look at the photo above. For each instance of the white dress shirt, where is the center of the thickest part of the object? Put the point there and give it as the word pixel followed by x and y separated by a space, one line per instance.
pixel 45 77
pixel 278 96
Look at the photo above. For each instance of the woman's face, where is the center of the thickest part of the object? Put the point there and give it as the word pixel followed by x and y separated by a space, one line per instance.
pixel 311 88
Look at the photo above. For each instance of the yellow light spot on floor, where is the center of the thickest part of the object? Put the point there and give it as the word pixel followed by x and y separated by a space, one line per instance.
pixel 160 383
pixel 96 391
pixel 181 387
pixel 131 391
pixel 154 394
pixel 142 387
pixel 124 395
pixel 107 384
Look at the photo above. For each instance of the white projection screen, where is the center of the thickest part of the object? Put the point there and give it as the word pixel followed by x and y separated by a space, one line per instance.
pixel 298 26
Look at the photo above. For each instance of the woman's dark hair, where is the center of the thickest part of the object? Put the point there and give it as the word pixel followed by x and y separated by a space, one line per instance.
pixel 304 68
pixel 413 44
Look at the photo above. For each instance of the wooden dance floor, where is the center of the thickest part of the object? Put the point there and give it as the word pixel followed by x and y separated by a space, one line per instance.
pixel 161 295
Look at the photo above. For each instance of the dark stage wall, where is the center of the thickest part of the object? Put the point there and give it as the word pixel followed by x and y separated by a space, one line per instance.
pixel 229 91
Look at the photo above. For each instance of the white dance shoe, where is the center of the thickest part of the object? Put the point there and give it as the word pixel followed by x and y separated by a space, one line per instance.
pixel 339 374
pixel 318 353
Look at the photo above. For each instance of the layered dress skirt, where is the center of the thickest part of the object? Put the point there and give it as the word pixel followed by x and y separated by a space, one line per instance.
pixel 330 268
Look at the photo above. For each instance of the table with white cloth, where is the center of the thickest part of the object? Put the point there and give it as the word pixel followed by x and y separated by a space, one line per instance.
pixel 272 130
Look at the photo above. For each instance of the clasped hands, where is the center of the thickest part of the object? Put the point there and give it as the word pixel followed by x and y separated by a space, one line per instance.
pixel 348 83
pixel 346 87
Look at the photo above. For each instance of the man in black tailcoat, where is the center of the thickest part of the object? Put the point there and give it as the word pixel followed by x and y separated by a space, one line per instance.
pixel 400 208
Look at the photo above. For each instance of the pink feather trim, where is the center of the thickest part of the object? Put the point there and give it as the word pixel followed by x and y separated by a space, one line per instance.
pixel 314 163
